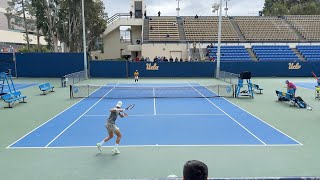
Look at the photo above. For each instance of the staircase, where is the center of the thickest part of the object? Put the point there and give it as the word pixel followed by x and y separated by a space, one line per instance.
pixel 146 30
pixel 121 19
pixel 252 55
pixel 237 29
pixel 298 54
pixel 182 34
pixel 301 38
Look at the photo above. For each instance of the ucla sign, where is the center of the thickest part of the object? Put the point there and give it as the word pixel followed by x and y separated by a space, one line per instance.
pixel 151 67
pixel 293 66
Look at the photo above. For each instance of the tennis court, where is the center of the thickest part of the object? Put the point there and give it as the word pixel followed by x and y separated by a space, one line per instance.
pixel 242 137
pixel 167 121
pixel 18 87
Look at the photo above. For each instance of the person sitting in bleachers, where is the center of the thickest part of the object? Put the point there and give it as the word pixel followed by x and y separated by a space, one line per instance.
pixel 196 17
pixel 151 28
pixel 159 13
pixel 181 60
pixel 155 59
pixel 176 59
pixel 130 14
pixel 171 59
pixel 186 60
pixel 165 59
pixel 211 45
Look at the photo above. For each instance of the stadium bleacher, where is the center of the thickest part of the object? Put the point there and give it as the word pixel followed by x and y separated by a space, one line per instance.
pixel 160 27
pixel 265 29
pixel 307 25
pixel 230 53
pixel 206 29
pixel 310 53
pixel 274 53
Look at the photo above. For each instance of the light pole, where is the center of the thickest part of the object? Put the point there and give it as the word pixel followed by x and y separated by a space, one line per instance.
pixel 215 7
pixel 84 43
pixel 226 9
pixel 178 8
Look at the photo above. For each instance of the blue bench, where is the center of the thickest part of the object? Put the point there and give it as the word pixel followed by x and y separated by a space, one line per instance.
pixel 46 87
pixel 257 87
pixel 11 98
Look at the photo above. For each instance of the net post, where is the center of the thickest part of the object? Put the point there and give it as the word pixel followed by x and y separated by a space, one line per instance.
pixel 71 94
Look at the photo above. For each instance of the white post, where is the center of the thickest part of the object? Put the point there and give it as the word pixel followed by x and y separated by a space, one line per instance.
pixel 219 43
pixel 84 43
pixel 178 8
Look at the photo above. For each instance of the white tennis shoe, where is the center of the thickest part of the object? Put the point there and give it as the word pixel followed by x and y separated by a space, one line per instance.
pixel 115 150
pixel 99 146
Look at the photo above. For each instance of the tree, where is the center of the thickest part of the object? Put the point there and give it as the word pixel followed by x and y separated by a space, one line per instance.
pixel 291 7
pixel 46 13
pixel 17 12
pixel 62 21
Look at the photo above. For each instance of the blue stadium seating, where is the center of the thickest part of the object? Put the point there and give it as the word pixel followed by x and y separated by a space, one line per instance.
pixel 275 53
pixel 310 53
pixel 230 53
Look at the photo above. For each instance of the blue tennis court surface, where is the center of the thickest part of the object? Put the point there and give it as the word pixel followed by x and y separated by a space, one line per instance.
pixel 156 121
pixel 18 87
pixel 307 85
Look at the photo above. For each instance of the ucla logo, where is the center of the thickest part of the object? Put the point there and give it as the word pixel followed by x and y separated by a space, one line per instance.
pixel 151 67
pixel 293 66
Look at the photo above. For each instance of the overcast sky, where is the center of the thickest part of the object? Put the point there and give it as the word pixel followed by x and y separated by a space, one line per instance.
pixel 188 7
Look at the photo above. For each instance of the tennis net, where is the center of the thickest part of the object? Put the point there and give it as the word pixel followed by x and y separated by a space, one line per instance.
pixel 228 77
pixel 73 78
pixel 128 92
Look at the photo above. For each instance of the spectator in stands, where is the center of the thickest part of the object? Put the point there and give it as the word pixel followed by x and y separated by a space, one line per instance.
pixel 181 60
pixel 212 59
pixel 291 88
pixel 176 59
pixel 211 45
pixel 196 17
pixel 194 46
pixel 165 59
pixel 171 59
pixel 196 59
pixel 142 59
pixel 96 57
pixel 147 59
pixel 130 14
pixel 186 60
pixel 155 59
pixel 168 36
pixel 145 14
pixel 208 46
pixel 151 28
pixel 159 13
pixel 195 170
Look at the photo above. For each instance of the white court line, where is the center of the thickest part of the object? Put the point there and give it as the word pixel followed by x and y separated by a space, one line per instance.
pixel 141 115
pixel 141 146
pixel 80 116
pixel 261 120
pixel 49 120
pixel 154 103
pixel 25 86
pixel 229 116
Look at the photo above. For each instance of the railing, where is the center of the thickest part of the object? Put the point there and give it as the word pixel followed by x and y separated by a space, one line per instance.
pixel 117 16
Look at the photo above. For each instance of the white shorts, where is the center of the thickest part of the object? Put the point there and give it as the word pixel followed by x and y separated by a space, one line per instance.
pixel 112 128
pixel 136 77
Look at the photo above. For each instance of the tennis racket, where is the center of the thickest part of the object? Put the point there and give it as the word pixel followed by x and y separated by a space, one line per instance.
pixel 131 106
pixel 314 75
